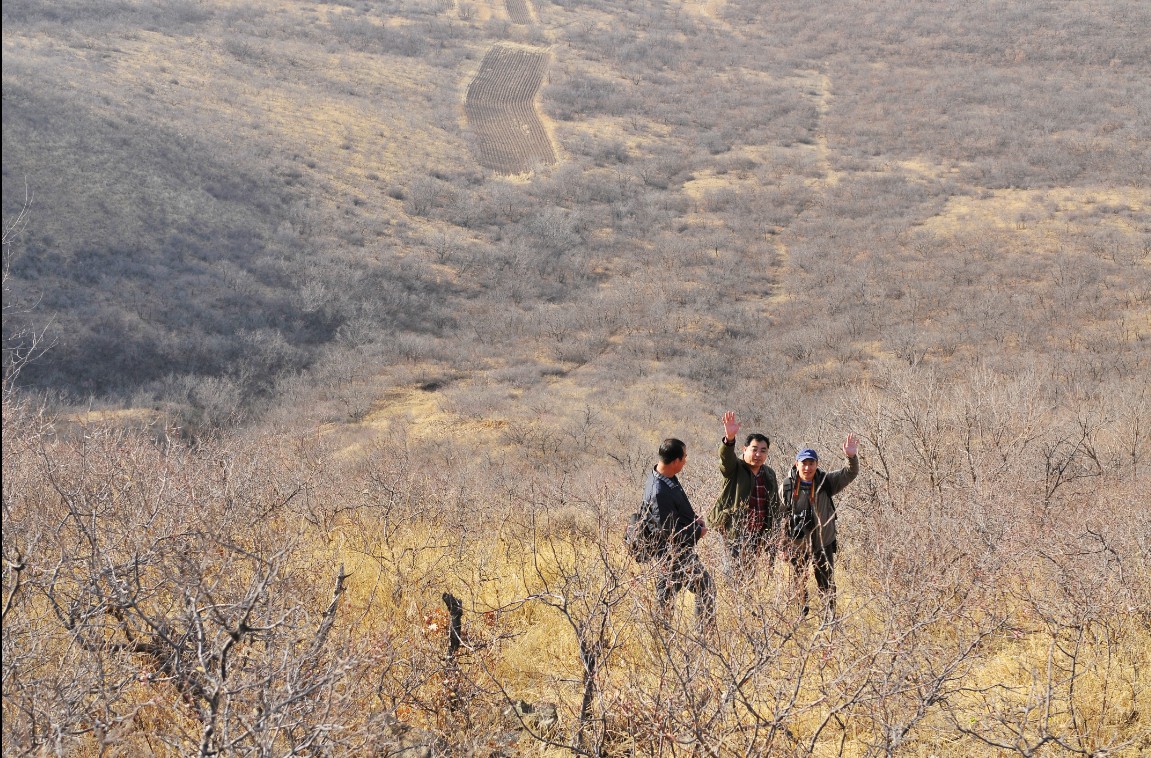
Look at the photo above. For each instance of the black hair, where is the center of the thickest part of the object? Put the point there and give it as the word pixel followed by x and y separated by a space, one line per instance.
pixel 671 449
pixel 755 437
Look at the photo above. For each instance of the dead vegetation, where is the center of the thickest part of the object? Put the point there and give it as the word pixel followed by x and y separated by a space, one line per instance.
pixel 258 593
pixel 364 374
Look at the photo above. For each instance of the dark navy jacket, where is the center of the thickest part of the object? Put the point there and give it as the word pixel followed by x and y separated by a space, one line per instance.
pixel 671 511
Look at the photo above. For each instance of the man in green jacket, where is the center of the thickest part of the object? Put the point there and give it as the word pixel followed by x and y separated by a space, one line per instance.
pixel 748 511
pixel 810 517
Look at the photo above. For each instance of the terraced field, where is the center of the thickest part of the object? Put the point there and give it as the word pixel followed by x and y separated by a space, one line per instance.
pixel 519 11
pixel 500 109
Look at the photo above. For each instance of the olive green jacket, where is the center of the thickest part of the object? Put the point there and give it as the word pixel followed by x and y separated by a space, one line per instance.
pixel 729 514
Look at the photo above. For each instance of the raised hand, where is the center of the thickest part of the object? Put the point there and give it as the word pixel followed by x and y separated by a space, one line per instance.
pixel 730 426
pixel 851 446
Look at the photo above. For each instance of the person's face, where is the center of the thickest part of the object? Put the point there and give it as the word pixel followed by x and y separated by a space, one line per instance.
pixel 807 469
pixel 755 453
pixel 677 465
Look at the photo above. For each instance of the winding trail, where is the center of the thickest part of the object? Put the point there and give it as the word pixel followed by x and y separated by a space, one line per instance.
pixel 830 175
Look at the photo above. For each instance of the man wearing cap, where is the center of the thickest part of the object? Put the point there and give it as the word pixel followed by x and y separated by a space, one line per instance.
pixel 679 530
pixel 807 494
pixel 747 512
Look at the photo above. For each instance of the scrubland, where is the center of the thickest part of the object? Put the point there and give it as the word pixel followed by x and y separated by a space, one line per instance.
pixel 261 593
pixel 288 372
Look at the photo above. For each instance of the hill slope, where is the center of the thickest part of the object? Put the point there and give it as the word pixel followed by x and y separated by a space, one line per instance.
pixel 381 370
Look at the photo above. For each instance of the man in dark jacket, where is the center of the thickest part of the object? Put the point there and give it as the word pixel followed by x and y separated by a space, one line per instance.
pixel 807 502
pixel 678 532
pixel 747 512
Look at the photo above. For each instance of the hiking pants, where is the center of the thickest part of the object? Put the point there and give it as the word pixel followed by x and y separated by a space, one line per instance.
pixel 744 549
pixel 684 570
pixel 823 561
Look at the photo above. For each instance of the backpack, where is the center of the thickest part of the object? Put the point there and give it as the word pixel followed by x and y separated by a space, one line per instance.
pixel 640 536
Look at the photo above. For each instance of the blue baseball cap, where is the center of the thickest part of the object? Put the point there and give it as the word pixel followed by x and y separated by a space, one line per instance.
pixel 807 454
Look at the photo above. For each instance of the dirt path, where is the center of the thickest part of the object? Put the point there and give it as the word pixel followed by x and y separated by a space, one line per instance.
pixel 820 83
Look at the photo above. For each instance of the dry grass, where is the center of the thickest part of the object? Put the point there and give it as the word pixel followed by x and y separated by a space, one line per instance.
pixel 944 642
pixel 1040 215
pixel 988 342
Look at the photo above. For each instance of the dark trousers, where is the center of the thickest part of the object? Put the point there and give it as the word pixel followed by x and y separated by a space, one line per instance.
pixel 744 550
pixel 683 569
pixel 822 560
